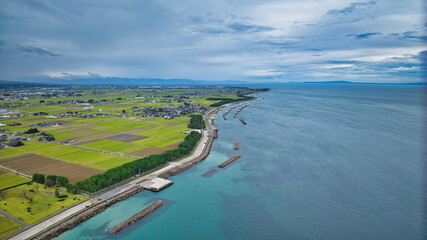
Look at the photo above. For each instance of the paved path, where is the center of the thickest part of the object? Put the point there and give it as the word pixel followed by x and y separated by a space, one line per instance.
pixel 14 218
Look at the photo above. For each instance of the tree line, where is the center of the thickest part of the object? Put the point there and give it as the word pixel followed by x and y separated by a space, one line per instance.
pixel 228 100
pixel 196 122
pixel 127 170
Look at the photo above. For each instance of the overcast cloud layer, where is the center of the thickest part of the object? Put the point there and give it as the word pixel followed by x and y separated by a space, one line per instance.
pixel 291 40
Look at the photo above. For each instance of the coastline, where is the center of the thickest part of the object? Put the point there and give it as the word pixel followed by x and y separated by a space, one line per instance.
pixel 68 218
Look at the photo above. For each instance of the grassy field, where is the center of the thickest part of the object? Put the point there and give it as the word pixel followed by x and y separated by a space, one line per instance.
pixel 8 152
pixel 8 226
pixel 93 159
pixel 114 146
pixel 42 202
pixel 9 179
pixel 171 132
pixel 156 142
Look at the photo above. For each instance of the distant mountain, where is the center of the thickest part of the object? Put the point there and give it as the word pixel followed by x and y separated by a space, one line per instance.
pixel 12 84
pixel 137 81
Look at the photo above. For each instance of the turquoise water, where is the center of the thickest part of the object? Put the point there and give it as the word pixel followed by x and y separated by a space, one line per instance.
pixel 318 162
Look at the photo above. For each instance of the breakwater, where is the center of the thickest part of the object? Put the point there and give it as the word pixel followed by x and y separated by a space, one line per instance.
pixel 84 215
pixel 224 164
pixel 209 173
pixel 236 146
pixel 137 216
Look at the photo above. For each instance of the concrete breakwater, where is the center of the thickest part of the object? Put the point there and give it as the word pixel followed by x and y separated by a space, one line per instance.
pixel 137 216
pixel 186 166
pixel 224 164
pixel 84 215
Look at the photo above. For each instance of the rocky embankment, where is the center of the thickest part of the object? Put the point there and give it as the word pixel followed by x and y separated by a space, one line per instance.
pixel 84 215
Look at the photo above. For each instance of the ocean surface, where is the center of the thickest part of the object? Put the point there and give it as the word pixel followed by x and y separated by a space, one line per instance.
pixel 318 162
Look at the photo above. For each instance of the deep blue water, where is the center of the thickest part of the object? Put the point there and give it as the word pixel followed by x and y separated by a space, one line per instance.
pixel 318 162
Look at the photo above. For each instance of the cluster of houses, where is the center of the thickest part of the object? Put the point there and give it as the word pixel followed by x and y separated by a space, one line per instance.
pixel 46 124
pixel 168 112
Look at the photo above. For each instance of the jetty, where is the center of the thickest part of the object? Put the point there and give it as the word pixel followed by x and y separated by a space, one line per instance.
pixel 156 184
pixel 243 121
pixel 236 146
pixel 137 216
pixel 224 164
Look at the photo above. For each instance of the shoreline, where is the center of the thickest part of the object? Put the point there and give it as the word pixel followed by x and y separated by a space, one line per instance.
pixel 65 220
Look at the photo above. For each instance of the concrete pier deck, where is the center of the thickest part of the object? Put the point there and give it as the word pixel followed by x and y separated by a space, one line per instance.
pixel 156 184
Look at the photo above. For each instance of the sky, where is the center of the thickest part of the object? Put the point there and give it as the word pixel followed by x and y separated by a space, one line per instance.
pixel 245 40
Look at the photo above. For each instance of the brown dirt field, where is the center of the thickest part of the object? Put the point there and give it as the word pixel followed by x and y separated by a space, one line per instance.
pixel 148 151
pixel 125 138
pixel 173 146
pixel 32 163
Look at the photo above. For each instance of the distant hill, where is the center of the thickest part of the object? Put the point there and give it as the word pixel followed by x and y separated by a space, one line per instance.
pixel 12 84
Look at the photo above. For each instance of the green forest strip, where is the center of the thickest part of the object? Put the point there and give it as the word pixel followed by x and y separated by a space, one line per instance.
pixel 228 100
pixel 196 122
pixel 127 170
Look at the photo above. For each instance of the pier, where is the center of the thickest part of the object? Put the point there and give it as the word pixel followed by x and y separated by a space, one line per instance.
pixel 236 146
pixel 137 216
pixel 224 164
pixel 155 184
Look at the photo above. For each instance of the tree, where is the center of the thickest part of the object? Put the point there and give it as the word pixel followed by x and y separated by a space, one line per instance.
pixel 52 178
pixel 41 101
pixel 31 131
pixel 38 178
pixel 123 111
pixel 62 181
pixel 49 183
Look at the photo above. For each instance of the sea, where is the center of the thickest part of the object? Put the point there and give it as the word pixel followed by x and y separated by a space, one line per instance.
pixel 318 161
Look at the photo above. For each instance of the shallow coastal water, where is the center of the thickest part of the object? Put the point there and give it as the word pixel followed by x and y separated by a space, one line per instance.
pixel 318 162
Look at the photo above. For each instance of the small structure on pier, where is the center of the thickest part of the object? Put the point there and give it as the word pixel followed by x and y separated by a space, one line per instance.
pixel 156 184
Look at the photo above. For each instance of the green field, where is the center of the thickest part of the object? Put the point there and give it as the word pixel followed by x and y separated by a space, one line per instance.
pixel 9 152
pixel 10 179
pixel 114 146
pixel 171 132
pixel 89 158
pixel 42 201
pixel 156 142
pixel 8 226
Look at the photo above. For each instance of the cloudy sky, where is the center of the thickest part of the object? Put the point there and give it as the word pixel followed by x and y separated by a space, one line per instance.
pixel 264 40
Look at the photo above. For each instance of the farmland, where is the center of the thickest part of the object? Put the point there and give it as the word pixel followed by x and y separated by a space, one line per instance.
pixel 8 226
pixel 41 200
pixel 9 179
